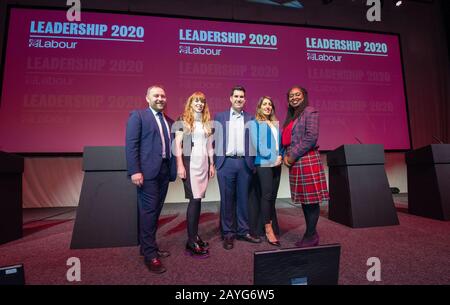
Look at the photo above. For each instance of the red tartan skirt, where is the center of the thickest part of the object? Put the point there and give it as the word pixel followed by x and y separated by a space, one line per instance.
pixel 307 179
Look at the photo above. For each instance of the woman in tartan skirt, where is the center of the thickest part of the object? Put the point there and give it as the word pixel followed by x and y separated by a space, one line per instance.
pixel 306 174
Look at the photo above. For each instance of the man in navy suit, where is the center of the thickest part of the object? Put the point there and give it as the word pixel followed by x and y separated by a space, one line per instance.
pixel 151 166
pixel 235 166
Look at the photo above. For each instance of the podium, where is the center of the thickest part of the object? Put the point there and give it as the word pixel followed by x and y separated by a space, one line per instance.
pixel 429 181
pixel 107 213
pixel 359 190
pixel 11 169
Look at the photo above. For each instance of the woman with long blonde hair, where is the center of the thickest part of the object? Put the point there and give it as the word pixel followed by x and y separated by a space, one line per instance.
pixel 195 165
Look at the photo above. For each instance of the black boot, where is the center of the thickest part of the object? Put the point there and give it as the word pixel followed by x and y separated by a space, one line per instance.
pixel 201 243
pixel 196 251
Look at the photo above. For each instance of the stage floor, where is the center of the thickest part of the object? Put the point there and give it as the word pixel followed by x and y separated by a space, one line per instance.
pixel 69 213
pixel 415 252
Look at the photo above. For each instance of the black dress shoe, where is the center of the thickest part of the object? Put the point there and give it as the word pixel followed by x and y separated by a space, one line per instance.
pixel 249 238
pixel 163 254
pixel 156 266
pixel 196 251
pixel 203 244
pixel 228 243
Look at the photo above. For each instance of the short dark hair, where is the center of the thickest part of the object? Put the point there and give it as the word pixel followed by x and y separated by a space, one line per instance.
pixel 303 90
pixel 237 88
pixel 154 86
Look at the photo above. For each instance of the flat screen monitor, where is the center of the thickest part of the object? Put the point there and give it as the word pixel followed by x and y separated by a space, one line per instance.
pixel 12 275
pixel 298 266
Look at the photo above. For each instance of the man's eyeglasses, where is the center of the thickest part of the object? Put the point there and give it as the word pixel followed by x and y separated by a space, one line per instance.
pixel 298 94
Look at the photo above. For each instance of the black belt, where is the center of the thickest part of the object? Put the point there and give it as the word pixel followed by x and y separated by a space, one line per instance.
pixel 235 157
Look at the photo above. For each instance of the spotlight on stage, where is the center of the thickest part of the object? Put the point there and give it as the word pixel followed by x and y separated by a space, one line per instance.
pixel 398 3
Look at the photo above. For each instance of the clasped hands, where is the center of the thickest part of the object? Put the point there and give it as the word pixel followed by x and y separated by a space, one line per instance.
pixel 181 171
pixel 288 161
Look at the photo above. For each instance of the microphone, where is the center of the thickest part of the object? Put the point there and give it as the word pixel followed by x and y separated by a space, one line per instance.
pixel 358 140
pixel 437 139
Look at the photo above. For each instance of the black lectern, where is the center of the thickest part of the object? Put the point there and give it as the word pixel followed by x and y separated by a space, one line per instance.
pixel 429 181
pixel 11 169
pixel 107 214
pixel 359 189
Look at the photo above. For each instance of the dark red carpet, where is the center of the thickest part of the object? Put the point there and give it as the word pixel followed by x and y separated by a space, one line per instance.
pixel 415 252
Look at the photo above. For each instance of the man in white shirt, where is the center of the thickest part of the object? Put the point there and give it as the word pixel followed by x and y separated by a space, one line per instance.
pixel 235 166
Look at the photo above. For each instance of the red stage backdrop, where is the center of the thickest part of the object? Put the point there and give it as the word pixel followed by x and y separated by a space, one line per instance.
pixel 67 85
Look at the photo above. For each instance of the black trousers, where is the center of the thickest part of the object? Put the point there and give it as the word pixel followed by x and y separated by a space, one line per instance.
pixel 262 199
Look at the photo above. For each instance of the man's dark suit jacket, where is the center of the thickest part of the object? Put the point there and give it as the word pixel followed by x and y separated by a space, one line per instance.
pixel 144 145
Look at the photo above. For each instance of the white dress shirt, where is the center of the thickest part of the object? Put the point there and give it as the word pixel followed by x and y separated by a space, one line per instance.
pixel 235 145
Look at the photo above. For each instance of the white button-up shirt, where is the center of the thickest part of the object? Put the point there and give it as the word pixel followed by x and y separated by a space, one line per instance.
pixel 235 145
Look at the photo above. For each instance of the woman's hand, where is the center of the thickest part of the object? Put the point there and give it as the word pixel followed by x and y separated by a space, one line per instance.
pixel 279 161
pixel 181 171
pixel 212 171
pixel 287 161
